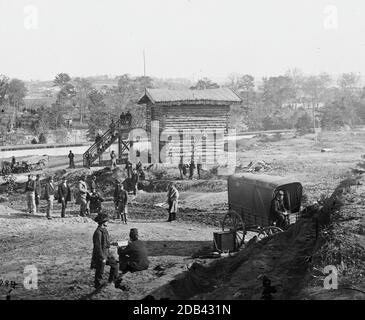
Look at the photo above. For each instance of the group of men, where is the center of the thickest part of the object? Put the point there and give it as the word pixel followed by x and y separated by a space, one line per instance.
pixel 90 202
pixel 191 166
pixel 33 190
pixel 131 258
pixel 126 118
pixel 134 256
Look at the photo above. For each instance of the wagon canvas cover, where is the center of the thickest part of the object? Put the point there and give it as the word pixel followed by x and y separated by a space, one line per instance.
pixel 251 195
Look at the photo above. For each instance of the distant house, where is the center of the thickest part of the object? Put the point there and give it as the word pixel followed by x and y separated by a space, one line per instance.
pixel 192 123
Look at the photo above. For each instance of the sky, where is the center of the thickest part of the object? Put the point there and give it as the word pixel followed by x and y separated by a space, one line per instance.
pixel 181 38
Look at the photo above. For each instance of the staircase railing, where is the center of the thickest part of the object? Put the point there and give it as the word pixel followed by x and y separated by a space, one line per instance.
pixel 106 140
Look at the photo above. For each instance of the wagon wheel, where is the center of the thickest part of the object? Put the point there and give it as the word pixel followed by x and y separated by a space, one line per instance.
pixel 267 232
pixel 233 222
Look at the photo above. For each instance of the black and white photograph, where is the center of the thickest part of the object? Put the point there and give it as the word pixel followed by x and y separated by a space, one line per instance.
pixel 196 151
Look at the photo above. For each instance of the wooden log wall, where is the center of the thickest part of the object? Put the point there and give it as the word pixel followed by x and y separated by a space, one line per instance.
pixel 191 130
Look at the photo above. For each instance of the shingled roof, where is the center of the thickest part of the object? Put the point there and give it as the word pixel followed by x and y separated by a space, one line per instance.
pixel 220 96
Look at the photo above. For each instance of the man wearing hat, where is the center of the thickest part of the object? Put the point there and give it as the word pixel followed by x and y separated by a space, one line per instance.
pixel 172 200
pixel 101 255
pixel 120 201
pixel 82 195
pixel 134 256
pixel 280 212
pixel 49 191
pixel 64 195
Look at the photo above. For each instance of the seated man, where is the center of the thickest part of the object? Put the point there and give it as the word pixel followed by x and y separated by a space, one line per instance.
pixel 280 213
pixel 134 256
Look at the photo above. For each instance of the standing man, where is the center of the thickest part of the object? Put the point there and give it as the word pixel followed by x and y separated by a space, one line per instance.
pixel 13 163
pixel 191 169
pixel 30 192
pixel 128 167
pixel 101 255
pixel 37 192
pixel 113 156
pixel 134 180
pixel 122 118
pixel 71 157
pixel 128 117
pixel 181 168
pixel 172 200
pixel 199 167
pixel 121 202
pixel 49 192
pixel 64 195
pixel 82 187
pixel 95 201
pixel 93 184
pixel 112 128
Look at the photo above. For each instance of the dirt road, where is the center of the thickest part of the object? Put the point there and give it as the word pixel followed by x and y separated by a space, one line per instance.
pixel 61 251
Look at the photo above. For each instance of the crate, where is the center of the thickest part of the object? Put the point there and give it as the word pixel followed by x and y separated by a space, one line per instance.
pixel 294 217
pixel 224 241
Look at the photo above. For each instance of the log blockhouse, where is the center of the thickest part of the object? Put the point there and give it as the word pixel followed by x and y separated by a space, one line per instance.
pixel 192 123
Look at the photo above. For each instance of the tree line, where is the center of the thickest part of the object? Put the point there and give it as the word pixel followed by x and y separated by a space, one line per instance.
pixel 291 100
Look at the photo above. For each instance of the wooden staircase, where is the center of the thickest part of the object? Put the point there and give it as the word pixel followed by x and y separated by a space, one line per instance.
pixel 107 139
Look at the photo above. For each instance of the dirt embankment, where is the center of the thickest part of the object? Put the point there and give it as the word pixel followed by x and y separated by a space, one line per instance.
pixel 330 233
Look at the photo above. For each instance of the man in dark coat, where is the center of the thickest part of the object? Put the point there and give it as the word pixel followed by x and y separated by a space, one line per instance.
pixel 128 167
pixel 181 168
pixel 37 192
pixel 134 257
pixel 128 118
pixel 95 201
pixel 120 201
pixel 71 157
pixel 191 169
pixel 64 195
pixel 134 180
pixel 101 255
pixel 93 184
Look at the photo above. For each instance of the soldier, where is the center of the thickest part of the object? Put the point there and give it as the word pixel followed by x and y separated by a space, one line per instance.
pixel 122 118
pixel 128 167
pixel 37 192
pixel 199 167
pixel 191 169
pixel 128 118
pixel 112 128
pixel 134 181
pixel 172 200
pixel 30 192
pixel 64 195
pixel 49 192
pixel 13 163
pixel 101 255
pixel 82 196
pixel 134 257
pixel 181 167
pixel 120 201
pixel 71 157
pixel 113 157
pixel 93 184
pixel 95 201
